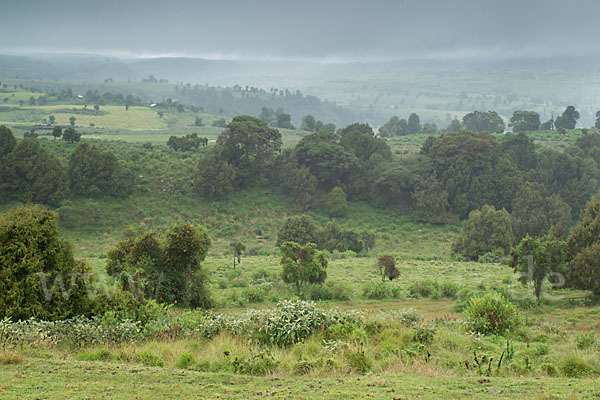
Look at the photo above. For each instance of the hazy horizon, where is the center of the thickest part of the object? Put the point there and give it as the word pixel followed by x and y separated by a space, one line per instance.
pixel 310 31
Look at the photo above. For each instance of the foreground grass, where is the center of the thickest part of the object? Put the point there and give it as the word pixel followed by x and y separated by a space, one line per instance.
pixel 68 379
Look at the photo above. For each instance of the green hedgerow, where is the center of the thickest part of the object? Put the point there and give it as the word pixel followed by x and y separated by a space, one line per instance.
pixel 491 314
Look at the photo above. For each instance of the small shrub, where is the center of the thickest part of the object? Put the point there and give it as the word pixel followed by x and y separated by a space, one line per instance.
pixel 380 291
pixel 425 288
pixel 330 291
pixel 260 275
pixel 424 333
pixel 303 367
pixel 409 316
pixel 549 369
pixel 574 366
pixel 95 355
pixel 358 361
pixel 449 289
pixel 149 359
pixel 489 258
pixel 254 294
pixel 257 364
pixel 491 313
pixel 585 340
pixel 185 361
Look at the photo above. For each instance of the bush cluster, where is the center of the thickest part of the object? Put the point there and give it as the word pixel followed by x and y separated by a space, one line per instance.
pixel 491 314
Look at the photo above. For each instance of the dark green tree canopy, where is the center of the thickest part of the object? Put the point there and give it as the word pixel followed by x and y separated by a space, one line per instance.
pixel 360 140
pixel 454 126
pixel 308 123
pixel 486 230
pixel 568 119
pixel 536 210
pixel 583 249
pixel 30 174
pixel 525 121
pixel 521 149
pixel 480 121
pixel 394 127
pixel 71 135
pixel 249 145
pixel 299 229
pixel 166 267
pixel 413 124
pixel 7 141
pixel 326 159
pixel 334 203
pixel 34 263
pixel 98 173
pixel 215 177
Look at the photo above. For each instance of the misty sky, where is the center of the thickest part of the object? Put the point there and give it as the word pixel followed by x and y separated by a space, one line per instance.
pixel 322 30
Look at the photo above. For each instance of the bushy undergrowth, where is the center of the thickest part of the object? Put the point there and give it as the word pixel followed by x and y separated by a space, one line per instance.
pixel 491 313
pixel 288 323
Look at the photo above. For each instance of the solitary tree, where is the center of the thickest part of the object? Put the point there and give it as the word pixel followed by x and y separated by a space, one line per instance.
pixel 51 119
pixel 96 107
pixel 57 131
pixel 387 267
pixel 302 264
pixel 536 259
pixel 479 121
pixel 39 276
pixel 237 248
pixel 308 123
pixel 414 124
pixel 72 120
pixel 71 135
pixel 568 119
pixel 525 121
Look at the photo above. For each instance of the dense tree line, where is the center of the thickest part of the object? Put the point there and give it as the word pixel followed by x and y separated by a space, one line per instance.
pixel 453 174
pixel 29 173
pixel 480 121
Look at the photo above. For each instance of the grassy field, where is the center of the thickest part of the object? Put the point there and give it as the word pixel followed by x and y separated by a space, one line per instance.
pixel 56 378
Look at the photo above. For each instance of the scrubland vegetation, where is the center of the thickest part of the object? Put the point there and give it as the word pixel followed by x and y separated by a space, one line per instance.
pixel 243 258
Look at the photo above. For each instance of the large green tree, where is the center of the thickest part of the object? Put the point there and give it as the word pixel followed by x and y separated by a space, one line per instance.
pixel 167 267
pixel 98 173
pixel 536 210
pixel 334 202
pixel 525 121
pixel 249 145
pixel 7 141
pixel 300 229
pixel 486 230
pixel 583 249
pixel 480 121
pixel 568 119
pixel 30 174
pixel 414 124
pixel 326 158
pixel 215 177
pixel 39 277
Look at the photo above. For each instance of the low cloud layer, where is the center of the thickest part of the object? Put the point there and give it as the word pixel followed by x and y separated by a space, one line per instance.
pixel 336 30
